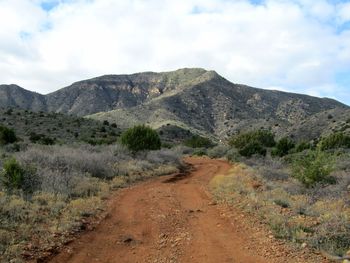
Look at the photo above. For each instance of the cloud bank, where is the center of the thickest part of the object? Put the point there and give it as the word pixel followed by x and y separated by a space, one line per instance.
pixel 297 45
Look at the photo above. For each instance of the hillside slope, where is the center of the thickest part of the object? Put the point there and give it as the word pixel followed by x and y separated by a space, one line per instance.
pixel 61 128
pixel 192 100
pixel 218 107
pixel 13 96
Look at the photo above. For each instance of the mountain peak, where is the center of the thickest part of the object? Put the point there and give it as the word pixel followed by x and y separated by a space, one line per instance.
pixel 194 99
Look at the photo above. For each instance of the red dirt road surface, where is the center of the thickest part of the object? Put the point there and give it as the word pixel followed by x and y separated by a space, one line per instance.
pixel 173 219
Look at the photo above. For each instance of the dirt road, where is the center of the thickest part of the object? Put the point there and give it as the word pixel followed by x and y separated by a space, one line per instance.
pixel 173 219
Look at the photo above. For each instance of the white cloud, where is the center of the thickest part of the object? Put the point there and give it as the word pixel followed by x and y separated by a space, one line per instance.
pixel 295 45
pixel 344 12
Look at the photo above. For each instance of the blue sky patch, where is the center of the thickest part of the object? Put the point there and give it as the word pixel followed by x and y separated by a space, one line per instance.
pixel 24 35
pixel 343 79
pixel 49 5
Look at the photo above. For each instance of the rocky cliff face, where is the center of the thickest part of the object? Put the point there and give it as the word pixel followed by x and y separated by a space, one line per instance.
pixel 192 99
pixel 215 106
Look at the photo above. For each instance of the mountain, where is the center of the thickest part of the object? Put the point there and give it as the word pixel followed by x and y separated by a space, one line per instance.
pixel 212 106
pixel 321 124
pixel 13 96
pixel 111 92
pixel 186 100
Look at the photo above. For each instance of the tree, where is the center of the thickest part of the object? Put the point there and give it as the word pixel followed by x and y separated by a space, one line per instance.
pixel 141 138
pixel 7 135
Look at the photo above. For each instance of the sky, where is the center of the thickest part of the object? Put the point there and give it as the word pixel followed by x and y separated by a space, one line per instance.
pixel 299 46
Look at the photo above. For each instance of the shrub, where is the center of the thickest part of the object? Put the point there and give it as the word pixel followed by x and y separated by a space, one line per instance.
pixel 197 141
pixel 7 135
pixel 69 161
pixel 313 167
pixel 263 137
pixel 12 176
pixel 41 138
pixel 302 146
pixel 199 152
pixel 251 149
pixel 141 138
pixel 164 156
pixel 334 141
pixel 218 151
pixel 283 147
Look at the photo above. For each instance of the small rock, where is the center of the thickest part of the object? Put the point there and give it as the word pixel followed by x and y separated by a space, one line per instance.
pixel 213 203
pixel 303 245
pixel 178 239
pixel 270 236
pixel 128 240
pixel 162 235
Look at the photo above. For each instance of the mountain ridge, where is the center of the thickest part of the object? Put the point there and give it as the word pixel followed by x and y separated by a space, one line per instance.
pixel 193 99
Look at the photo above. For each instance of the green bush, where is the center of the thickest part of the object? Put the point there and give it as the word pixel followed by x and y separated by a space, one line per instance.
pixel 283 147
pixel 7 135
pixel 263 137
pixel 253 142
pixel 197 141
pixel 12 175
pixel 252 148
pixel 41 139
pixel 199 152
pixel 313 167
pixel 302 146
pixel 141 138
pixel 334 141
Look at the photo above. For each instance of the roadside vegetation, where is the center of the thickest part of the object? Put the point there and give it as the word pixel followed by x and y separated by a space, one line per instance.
pixel 56 171
pixel 300 189
pixel 51 189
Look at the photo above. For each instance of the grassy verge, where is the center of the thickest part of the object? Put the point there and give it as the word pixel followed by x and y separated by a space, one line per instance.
pixel 318 217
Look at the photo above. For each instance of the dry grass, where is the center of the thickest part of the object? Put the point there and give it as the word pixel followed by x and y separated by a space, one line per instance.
pixel 291 210
pixel 69 185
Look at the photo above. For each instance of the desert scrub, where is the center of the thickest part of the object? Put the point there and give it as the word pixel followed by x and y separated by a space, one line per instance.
pixel 67 184
pixel 334 141
pixel 263 137
pixel 58 127
pixel 141 138
pixel 283 147
pixel 12 175
pixel 7 135
pixel 313 167
pixel 253 142
pixel 197 141
pixel 39 220
pixel 218 151
pixel 252 148
pixel 318 215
